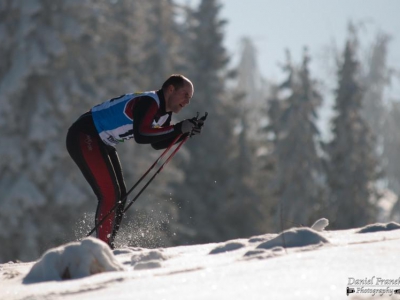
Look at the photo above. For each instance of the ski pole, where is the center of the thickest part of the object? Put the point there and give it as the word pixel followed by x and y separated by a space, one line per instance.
pixel 134 186
pixel 166 161
pixel 155 174
pixel 144 175
pixel 152 166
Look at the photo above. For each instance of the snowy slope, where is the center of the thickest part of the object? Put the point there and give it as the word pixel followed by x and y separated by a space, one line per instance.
pixel 315 265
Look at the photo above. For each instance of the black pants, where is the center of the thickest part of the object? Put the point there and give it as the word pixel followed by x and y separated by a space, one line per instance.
pixel 100 165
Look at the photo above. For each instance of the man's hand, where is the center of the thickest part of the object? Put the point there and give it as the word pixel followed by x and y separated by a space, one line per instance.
pixel 192 126
pixel 197 128
pixel 199 124
pixel 186 126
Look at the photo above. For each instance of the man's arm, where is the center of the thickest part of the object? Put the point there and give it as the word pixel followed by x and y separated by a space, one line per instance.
pixel 165 143
pixel 143 115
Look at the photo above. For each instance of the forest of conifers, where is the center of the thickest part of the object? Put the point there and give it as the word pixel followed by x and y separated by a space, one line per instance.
pixel 260 164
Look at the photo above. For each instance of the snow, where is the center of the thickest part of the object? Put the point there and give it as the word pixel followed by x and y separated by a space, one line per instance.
pixel 304 264
pixel 379 227
pixel 74 260
pixel 320 224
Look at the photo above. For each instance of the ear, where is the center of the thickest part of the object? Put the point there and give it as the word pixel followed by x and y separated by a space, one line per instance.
pixel 171 88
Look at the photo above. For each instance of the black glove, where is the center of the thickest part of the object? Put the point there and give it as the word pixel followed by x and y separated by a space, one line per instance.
pixel 199 123
pixel 186 126
pixel 197 128
pixel 192 126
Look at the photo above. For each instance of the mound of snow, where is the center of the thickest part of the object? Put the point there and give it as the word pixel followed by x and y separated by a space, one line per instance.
pixel 264 253
pixel 320 224
pixel 149 260
pixel 231 246
pixel 379 227
pixel 151 264
pixel 151 255
pixel 74 260
pixel 295 237
pixel 262 238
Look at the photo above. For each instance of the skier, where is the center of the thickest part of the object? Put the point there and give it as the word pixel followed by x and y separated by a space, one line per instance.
pixel 146 117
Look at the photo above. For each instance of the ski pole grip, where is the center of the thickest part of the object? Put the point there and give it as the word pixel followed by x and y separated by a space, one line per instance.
pixel 203 118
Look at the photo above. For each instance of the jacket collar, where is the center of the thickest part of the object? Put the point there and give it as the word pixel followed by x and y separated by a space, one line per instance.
pixel 160 95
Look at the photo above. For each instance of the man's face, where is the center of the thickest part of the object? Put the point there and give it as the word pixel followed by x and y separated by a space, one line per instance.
pixel 178 98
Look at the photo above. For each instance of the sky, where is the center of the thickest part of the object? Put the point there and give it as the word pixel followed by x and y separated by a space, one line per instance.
pixel 319 25
pixel 276 25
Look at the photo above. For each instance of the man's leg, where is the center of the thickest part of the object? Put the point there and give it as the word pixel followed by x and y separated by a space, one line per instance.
pixel 90 154
pixel 122 187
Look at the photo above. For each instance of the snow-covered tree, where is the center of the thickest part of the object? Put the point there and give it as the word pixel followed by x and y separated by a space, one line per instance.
pixel 298 174
pixel 153 53
pixel 352 168
pixel 375 81
pixel 379 112
pixel 253 87
pixel 43 79
pixel 211 209
pixel 60 58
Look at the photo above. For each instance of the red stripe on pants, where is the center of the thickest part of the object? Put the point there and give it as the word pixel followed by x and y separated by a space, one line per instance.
pixel 101 172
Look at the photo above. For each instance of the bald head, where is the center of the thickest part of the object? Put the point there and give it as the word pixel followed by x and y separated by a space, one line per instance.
pixel 178 90
pixel 177 81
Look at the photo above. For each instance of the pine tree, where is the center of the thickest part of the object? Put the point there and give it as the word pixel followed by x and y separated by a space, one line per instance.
pixel 352 168
pixel 380 113
pixel 211 209
pixel 375 81
pixel 59 59
pixel 298 180
pixel 253 143
pixel 253 87
pixel 391 152
pixel 249 97
pixel 153 54
pixel 391 147
pixel 160 46
pixel 44 77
